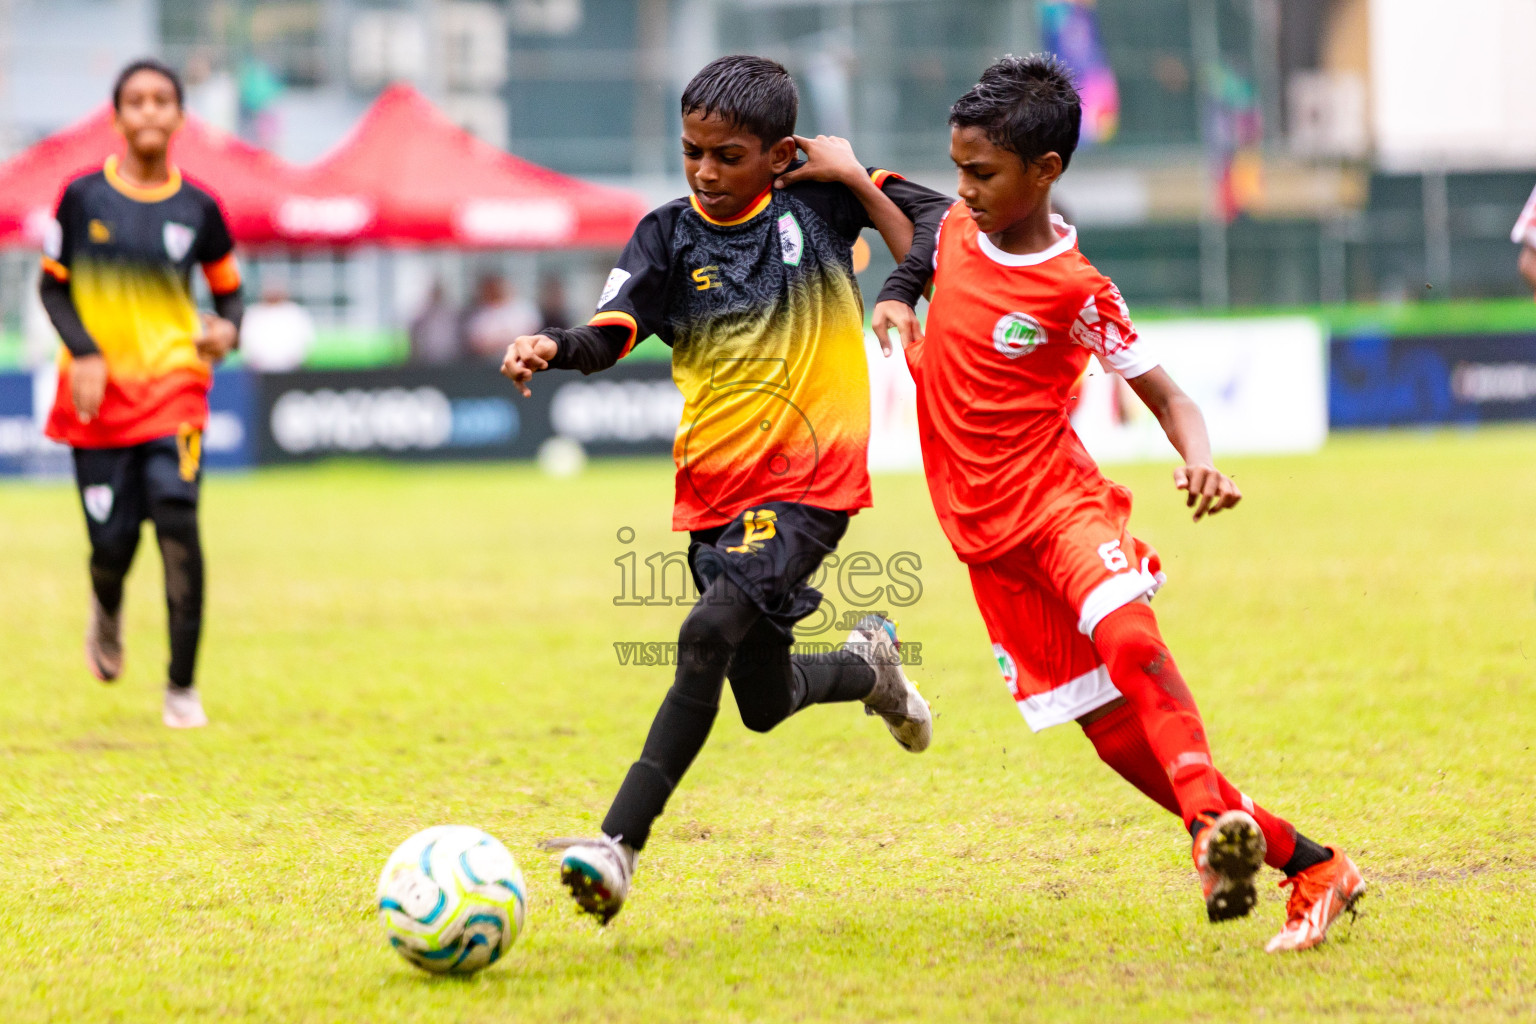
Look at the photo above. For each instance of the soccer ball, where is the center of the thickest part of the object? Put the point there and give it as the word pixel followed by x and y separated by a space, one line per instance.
pixel 452 899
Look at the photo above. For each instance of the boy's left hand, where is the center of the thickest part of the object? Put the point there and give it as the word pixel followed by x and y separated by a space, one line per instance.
pixel 218 340
pixel 895 313
pixel 1208 486
pixel 827 158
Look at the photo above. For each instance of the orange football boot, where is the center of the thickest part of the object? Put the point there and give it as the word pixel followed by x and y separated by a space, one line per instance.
pixel 1318 896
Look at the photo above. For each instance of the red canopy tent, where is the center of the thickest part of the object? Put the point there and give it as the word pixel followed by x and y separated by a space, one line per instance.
pixel 249 183
pixel 407 175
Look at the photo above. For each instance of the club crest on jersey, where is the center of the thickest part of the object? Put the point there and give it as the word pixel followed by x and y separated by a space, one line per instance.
pixel 1017 334
pixel 791 239
pixel 1006 665
pixel 178 240
pixel 98 501
pixel 616 279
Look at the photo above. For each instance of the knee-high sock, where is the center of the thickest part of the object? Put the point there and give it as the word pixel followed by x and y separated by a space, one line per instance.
pixel 1122 744
pixel 109 567
pixel 182 551
pixel 708 638
pixel 832 677
pixel 1143 671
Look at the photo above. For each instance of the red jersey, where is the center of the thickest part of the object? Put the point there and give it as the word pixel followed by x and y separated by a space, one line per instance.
pixel 1008 336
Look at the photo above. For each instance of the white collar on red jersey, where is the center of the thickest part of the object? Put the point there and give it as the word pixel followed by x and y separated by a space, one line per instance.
pixel 1067 239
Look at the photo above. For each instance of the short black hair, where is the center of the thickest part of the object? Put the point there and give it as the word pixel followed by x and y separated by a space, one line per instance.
pixel 1027 104
pixel 753 93
pixel 159 67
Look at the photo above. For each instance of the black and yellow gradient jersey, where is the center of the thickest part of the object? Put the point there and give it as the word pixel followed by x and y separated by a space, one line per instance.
pixel 766 325
pixel 126 254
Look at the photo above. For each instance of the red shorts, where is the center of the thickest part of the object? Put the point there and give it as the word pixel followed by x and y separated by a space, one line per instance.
pixel 1042 600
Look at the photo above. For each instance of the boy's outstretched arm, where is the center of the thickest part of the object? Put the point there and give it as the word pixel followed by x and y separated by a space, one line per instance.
pixel 629 310
pixel 830 158
pixel 588 348
pixel 1209 489
pixel 912 243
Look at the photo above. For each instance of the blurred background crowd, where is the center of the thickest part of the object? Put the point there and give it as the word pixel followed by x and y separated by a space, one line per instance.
pixel 1238 153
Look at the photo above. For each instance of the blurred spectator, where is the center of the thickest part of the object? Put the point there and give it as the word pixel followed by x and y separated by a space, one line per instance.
pixel 435 330
pixel 498 318
pixel 277 333
pixel 553 311
pixel 1525 237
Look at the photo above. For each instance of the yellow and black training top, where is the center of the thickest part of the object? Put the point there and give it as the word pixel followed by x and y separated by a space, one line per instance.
pixel 766 325
pixel 126 254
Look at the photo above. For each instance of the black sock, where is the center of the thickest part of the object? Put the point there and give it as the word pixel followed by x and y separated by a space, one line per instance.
pixel 676 737
pixel 182 551
pixel 109 567
pixel 706 642
pixel 833 677
pixel 1307 855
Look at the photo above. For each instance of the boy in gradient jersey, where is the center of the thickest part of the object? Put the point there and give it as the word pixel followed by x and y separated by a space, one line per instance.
pixel 134 376
pixel 752 286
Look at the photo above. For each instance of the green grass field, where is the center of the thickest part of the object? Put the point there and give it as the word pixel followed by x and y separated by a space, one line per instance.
pixel 390 648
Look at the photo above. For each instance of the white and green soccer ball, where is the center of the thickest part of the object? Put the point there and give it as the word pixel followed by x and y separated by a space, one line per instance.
pixel 452 899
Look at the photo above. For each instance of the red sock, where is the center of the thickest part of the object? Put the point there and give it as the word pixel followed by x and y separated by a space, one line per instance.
pixel 1121 743
pixel 1144 672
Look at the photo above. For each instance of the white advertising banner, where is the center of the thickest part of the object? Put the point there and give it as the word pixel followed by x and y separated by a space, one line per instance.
pixel 1262 384
pixel 893 442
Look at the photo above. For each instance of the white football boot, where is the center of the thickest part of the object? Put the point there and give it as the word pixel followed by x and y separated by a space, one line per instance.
pixel 895 697
pixel 597 871
pixel 183 708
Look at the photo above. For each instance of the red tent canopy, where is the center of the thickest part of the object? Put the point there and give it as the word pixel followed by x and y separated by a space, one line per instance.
pixel 407 175
pixel 249 183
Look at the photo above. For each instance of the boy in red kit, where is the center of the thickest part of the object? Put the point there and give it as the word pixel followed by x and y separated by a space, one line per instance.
pixel 1061 583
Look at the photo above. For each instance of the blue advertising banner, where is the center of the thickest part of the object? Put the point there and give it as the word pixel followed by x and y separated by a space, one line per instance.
pixel 461 413
pixel 26 398
pixel 1379 381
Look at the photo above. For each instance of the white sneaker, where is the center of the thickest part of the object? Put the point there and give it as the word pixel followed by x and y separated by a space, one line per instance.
pixel 597 871
pixel 895 697
pixel 104 643
pixel 183 708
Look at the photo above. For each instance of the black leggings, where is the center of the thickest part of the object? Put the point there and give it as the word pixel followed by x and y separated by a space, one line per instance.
pixel 725 636
pixel 182 551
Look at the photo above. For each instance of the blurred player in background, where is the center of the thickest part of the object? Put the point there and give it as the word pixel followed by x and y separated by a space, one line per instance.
pixel 134 377
pixel 1062 585
pixel 753 288
pixel 1524 236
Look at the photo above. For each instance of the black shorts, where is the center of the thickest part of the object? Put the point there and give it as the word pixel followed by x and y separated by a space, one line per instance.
pixel 119 485
pixel 769 551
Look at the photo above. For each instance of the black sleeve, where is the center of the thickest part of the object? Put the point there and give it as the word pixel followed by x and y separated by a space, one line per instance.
pixel 58 253
pixel 214 241
pixel 835 203
pixel 588 348
pixel 66 319
pixel 926 208
pixel 230 306
pixel 633 304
